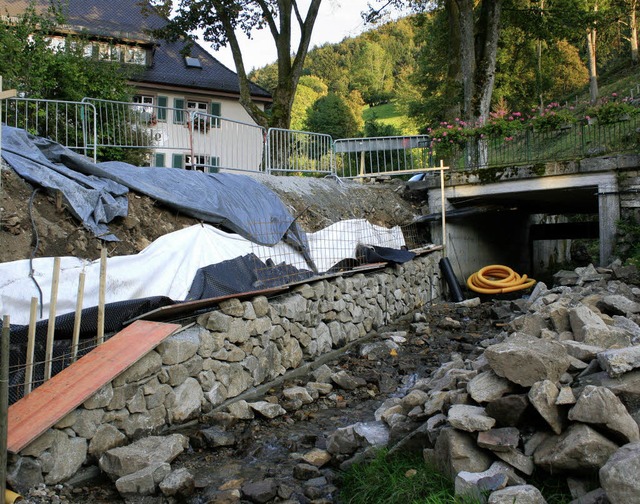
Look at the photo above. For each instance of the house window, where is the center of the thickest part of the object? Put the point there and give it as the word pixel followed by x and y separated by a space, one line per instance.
pixel 110 52
pixel 202 162
pixel 203 123
pixel 197 106
pixel 135 55
pixel 144 105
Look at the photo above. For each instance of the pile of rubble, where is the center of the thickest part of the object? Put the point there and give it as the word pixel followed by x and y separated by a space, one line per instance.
pixel 554 391
pixel 557 392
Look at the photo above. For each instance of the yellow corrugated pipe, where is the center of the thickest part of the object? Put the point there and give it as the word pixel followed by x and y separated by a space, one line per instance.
pixel 498 279
pixel 11 497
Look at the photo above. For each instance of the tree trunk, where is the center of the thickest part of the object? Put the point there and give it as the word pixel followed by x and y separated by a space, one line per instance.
pixel 486 67
pixel 634 32
pixel 591 55
pixel 467 56
pixel 478 55
pixel 454 70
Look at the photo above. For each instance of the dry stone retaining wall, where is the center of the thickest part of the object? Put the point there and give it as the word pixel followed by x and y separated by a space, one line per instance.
pixel 237 347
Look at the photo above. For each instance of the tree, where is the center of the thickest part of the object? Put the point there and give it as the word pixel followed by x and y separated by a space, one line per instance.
pixel 474 29
pixel 220 21
pixel 310 88
pixel 332 115
pixel 29 63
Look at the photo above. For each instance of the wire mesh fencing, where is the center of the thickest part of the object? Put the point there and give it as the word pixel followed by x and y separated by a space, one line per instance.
pixel 376 156
pixel 342 246
pixel 177 137
pixel 299 153
pixel 71 124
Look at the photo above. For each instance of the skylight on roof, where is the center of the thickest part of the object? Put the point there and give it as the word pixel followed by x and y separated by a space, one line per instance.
pixel 192 62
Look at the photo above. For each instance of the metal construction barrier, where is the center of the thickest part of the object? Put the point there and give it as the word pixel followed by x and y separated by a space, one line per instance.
pixel 299 152
pixel 69 123
pixel 225 144
pixel 375 156
pixel 178 137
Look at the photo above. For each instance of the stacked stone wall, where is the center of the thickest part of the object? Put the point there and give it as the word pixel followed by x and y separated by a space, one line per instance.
pixel 238 346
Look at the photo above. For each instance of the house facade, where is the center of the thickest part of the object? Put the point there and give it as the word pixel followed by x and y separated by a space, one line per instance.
pixel 178 89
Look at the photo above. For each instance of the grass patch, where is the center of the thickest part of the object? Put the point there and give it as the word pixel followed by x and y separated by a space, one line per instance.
pixel 396 480
pixel 390 113
pixel 406 479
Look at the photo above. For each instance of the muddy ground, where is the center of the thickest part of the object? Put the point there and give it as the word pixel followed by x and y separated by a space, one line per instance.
pixel 271 449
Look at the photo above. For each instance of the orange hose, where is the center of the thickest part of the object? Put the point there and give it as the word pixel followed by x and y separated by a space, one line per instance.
pixel 498 279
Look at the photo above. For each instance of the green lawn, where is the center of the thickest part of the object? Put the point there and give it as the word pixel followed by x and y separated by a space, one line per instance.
pixel 390 113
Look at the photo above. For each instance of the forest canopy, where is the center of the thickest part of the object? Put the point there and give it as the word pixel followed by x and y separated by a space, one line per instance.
pixel 545 54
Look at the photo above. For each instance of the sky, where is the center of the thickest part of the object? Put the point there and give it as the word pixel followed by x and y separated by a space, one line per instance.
pixel 336 20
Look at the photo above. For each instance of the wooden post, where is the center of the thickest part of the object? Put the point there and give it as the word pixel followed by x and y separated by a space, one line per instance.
pixel 4 403
pixel 59 201
pixel 78 318
pixel 101 294
pixel 31 345
pixel 443 203
pixel 51 326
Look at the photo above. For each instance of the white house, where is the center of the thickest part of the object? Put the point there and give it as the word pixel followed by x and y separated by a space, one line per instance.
pixel 170 86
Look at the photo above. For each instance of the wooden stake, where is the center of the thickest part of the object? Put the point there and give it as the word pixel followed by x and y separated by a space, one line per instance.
pixel 101 295
pixel 59 201
pixel 78 318
pixel 31 345
pixel 4 403
pixel 51 327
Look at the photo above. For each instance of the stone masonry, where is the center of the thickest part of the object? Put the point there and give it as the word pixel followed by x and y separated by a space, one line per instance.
pixel 231 350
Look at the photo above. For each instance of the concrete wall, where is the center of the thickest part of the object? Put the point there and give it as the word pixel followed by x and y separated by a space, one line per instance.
pixel 480 240
pixel 231 350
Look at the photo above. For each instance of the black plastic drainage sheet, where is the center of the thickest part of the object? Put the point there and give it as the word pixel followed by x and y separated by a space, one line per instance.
pixel 96 193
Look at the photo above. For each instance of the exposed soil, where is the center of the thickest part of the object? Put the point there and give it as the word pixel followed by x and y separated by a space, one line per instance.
pixel 270 449
pixel 315 202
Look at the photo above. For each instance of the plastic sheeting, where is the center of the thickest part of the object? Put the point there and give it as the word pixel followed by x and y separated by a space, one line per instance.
pixel 93 201
pixel 168 266
pixel 95 192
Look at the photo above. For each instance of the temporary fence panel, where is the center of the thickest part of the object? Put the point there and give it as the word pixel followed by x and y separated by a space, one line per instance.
pixel 179 137
pixel 220 144
pixel 375 156
pixel 68 123
pixel 140 126
pixel 298 152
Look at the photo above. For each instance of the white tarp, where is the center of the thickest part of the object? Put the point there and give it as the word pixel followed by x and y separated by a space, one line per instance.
pixel 167 266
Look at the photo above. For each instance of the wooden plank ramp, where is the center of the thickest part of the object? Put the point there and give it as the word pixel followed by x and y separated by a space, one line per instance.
pixel 32 415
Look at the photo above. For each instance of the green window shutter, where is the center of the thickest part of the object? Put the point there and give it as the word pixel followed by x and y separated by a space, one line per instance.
pixel 215 108
pixel 160 159
pixel 177 161
pixel 162 108
pixel 178 112
pixel 215 163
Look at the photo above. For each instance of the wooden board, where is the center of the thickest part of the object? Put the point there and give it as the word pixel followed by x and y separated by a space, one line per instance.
pixel 32 415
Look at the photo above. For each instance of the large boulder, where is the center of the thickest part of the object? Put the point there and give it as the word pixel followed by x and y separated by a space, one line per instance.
pixel 619 476
pixel 600 407
pixel 149 451
pixel 525 360
pixel 579 448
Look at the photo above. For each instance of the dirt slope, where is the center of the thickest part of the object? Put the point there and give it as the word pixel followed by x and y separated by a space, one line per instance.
pixel 316 202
